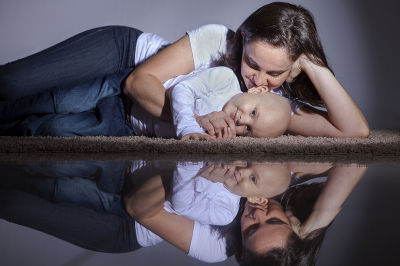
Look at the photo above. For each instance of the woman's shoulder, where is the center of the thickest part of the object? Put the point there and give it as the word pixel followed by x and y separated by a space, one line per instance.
pixel 213 29
pixel 208 42
pixel 211 34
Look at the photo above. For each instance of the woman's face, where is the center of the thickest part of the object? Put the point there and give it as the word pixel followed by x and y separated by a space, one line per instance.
pixel 264 65
pixel 264 230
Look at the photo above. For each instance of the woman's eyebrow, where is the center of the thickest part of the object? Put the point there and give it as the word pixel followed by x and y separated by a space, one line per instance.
pixel 250 230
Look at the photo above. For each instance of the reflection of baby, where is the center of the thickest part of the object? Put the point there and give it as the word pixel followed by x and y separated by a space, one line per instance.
pixel 256 113
pixel 209 198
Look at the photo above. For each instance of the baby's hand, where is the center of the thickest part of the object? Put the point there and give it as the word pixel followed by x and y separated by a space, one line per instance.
pixel 198 136
pixel 217 173
pixel 224 134
pixel 215 122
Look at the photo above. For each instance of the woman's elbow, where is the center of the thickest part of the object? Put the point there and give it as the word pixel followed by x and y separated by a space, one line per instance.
pixel 128 87
pixel 127 205
pixel 364 133
pixel 360 132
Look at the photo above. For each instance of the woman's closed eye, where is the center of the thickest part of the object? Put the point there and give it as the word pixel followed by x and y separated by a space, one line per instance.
pixel 251 64
pixel 250 230
pixel 275 220
pixel 276 74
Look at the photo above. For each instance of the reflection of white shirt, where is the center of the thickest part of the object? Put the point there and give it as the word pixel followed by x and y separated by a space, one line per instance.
pixel 207 43
pixel 202 201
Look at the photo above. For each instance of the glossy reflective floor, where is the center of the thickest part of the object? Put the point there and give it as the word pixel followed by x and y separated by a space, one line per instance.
pixel 99 212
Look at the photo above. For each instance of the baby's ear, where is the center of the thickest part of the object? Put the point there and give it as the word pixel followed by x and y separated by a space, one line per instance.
pixel 258 200
pixel 258 89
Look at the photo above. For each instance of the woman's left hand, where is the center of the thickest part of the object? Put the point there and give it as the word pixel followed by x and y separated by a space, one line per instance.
pixel 296 69
pixel 296 225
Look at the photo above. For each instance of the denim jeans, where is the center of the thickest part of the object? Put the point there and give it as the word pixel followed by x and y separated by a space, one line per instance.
pixel 76 60
pixel 92 108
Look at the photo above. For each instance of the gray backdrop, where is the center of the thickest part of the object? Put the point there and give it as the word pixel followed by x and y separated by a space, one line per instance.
pixel 360 37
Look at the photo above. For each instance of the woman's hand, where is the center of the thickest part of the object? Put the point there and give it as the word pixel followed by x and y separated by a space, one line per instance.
pixel 215 122
pixel 296 68
pixel 296 225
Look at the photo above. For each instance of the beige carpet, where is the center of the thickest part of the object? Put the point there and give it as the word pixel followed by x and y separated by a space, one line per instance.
pixel 380 142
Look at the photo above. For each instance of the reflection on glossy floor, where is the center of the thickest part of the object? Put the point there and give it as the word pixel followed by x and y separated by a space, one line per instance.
pixel 122 212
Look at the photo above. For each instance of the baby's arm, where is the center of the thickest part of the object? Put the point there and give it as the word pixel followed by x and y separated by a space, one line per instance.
pixel 203 92
pixel 182 103
pixel 200 199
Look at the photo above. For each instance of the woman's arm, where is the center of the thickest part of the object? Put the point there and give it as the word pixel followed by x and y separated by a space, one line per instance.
pixel 307 171
pixel 340 183
pixel 145 204
pixel 144 84
pixel 343 118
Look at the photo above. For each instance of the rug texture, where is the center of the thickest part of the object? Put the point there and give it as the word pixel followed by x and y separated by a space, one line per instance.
pixel 380 142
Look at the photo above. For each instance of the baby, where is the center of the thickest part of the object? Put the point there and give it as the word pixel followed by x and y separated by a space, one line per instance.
pixel 256 113
pixel 210 193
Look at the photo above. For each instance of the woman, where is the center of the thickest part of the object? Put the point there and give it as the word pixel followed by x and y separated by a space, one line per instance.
pixel 276 47
pixel 273 45
pixel 264 231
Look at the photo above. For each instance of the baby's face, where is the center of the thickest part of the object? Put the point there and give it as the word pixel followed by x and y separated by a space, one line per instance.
pixel 254 115
pixel 259 179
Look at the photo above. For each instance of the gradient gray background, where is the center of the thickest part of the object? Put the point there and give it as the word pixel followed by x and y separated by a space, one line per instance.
pixel 360 37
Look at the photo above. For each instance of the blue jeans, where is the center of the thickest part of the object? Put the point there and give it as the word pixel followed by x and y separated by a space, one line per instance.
pixel 92 108
pixel 76 60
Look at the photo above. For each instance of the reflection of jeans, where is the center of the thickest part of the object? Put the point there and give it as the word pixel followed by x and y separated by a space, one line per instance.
pixel 76 60
pixel 89 184
pixel 90 109
pixel 76 202
pixel 75 224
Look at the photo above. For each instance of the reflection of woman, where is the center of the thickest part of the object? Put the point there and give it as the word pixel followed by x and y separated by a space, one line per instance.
pixel 275 45
pixel 260 233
